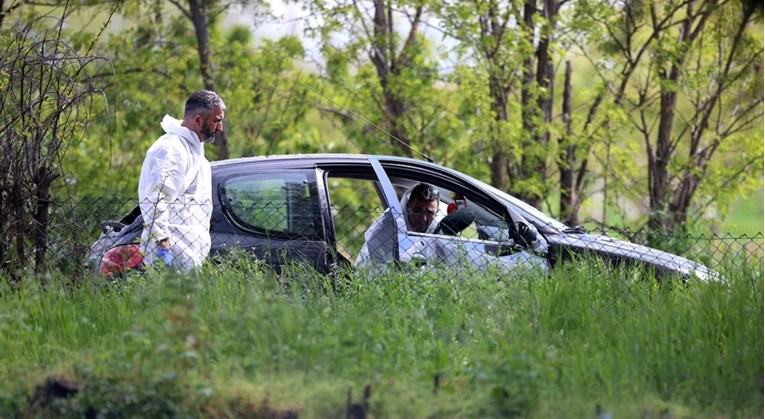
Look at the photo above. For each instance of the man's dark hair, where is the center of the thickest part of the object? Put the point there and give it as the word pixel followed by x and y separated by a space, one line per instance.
pixel 423 192
pixel 203 101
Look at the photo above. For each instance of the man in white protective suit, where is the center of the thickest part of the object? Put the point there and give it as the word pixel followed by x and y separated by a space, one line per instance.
pixel 175 188
pixel 422 213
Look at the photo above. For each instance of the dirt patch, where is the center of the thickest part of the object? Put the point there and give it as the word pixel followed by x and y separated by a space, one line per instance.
pixel 58 389
pixel 54 388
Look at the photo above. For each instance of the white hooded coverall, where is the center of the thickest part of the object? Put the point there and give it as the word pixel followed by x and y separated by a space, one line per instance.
pixel 381 237
pixel 391 231
pixel 175 196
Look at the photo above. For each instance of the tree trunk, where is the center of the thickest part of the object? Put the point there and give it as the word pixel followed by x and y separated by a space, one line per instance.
pixel 569 198
pixel 493 28
pixel 499 161
pixel 527 110
pixel 658 162
pixel 199 16
pixel 43 182
pixel 659 217
pixel 536 100
pixel 387 64
pixel 691 178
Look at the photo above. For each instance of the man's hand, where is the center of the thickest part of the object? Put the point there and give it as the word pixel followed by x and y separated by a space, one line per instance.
pixel 163 251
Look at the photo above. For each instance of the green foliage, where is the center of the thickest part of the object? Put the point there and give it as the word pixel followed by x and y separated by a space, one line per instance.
pixel 154 68
pixel 278 103
pixel 47 100
pixel 746 215
pixel 143 86
pixel 698 82
pixel 396 96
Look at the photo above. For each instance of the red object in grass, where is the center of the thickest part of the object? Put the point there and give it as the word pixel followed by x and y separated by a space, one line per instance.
pixel 121 258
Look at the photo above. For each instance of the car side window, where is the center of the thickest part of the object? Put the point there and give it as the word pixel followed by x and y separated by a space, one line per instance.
pixel 482 223
pixel 354 204
pixel 486 224
pixel 279 204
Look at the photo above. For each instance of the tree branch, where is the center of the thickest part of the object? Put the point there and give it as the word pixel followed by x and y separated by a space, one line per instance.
pixel 180 7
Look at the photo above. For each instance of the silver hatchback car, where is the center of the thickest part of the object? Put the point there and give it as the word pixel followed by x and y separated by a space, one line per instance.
pixel 335 210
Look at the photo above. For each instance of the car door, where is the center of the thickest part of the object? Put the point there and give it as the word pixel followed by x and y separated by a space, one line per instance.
pixel 485 241
pixel 273 213
pixel 354 199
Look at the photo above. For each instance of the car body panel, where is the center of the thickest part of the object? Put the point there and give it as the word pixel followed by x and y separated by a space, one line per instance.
pixel 620 251
pixel 310 232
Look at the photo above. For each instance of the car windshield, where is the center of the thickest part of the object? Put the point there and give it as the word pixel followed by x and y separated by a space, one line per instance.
pixel 526 210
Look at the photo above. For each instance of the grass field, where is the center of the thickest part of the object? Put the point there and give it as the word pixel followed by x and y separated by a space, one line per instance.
pixel 237 342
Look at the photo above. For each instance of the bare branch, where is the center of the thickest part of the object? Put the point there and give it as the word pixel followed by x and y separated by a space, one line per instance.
pixel 183 10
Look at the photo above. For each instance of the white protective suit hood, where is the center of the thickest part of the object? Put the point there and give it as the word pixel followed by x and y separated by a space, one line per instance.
pixel 175 196
pixel 433 224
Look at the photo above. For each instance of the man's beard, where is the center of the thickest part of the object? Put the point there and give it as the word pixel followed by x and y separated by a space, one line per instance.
pixel 209 134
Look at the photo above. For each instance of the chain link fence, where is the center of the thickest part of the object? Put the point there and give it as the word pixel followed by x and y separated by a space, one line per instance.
pixel 280 236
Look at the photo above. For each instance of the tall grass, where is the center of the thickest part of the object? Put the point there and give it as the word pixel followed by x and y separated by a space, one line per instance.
pixel 237 340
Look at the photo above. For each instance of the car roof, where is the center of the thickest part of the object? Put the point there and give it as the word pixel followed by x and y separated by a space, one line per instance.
pixel 307 160
pixel 317 157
